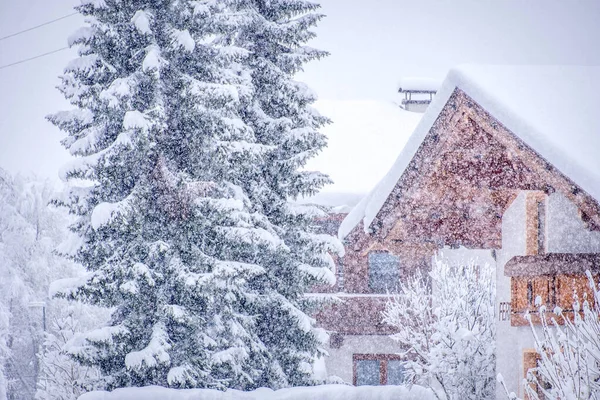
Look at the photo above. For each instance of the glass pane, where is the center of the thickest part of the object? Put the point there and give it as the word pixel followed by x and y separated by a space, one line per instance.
pixel 383 272
pixel 395 373
pixel 367 372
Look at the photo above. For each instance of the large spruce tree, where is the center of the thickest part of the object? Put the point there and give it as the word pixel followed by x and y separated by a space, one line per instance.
pixel 190 135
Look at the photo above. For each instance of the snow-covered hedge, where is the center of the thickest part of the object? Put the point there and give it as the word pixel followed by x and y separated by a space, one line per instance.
pixel 329 392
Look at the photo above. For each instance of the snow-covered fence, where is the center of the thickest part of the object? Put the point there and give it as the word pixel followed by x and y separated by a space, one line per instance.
pixel 329 392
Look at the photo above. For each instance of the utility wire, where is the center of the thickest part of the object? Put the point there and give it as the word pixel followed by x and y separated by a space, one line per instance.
pixel 33 58
pixel 38 26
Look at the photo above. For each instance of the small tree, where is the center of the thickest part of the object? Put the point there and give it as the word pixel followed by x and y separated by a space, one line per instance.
pixel 445 326
pixel 61 377
pixel 569 352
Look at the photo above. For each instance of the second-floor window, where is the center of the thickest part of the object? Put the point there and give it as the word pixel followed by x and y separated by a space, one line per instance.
pixel 384 272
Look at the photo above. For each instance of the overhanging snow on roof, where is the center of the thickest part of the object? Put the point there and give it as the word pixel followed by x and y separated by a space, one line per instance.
pixel 412 84
pixel 551 108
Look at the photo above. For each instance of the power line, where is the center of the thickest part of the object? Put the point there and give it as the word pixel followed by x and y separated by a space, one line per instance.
pixel 38 26
pixel 33 58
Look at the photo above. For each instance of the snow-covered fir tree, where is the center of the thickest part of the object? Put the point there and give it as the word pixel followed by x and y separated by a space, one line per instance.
pixel 190 135
pixel 446 329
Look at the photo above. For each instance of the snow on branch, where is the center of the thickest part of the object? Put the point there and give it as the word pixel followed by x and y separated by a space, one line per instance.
pixel 87 140
pixel 308 210
pixel 183 39
pixel 135 119
pixel 141 20
pixel 105 334
pixel 321 274
pixel 84 167
pixel 94 3
pixel 81 35
pixel 65 287
pixel 305 323
pixel 234 269
pixel 180 375
pixel 152 355
pixel 213 91
pixel 105 213
pixel 568 350
pixel 118 90
pixel 84 63
pixel 254 236
pixel 72 119
pixel 446 328
pixel 152 60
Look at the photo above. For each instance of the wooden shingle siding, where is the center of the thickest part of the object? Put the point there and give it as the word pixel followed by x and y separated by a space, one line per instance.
pixel 361 315
pixel 554 290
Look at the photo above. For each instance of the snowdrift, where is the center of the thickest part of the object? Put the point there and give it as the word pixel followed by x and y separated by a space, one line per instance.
pixel 326 392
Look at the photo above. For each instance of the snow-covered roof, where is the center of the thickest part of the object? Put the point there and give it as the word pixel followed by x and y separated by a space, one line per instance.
pixel 551 108
pixel 364 139
pixel 415 84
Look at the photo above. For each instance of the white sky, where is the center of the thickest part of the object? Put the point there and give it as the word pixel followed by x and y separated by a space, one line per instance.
pixel 372 44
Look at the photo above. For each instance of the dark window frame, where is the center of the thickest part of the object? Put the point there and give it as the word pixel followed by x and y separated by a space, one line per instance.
pixel 383 365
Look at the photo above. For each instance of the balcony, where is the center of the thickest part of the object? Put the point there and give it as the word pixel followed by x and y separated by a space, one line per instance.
pixel 355 314
pixel 553 278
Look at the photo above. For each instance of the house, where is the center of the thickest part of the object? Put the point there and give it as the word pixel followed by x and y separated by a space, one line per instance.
pixel 502 167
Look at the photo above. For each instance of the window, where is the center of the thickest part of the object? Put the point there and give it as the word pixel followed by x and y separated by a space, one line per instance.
pixel 378 369
pixel 541 227
pixel 535 211
pixel 368 372
pixel 395 372
pixel 384 274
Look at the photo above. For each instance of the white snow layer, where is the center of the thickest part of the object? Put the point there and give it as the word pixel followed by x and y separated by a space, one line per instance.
pixel 551 108
pixel 67 286
pixel 95 3
pixel 83 33
pixel 414 83
pixel 135 119
pixel 152 60
pixel 362 133
pixel 82 63
pixel 103 214
pixel 329 392
pixel 153 354
pixel 117 90
pixel 184 39
pixel 141 21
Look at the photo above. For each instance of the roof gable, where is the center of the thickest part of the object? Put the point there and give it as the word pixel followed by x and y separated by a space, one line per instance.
pixel 372 206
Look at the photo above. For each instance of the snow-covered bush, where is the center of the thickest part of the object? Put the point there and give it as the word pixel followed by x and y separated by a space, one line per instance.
pixel 446 329
pixel 190 136
pixel 568 366
pixel 61 377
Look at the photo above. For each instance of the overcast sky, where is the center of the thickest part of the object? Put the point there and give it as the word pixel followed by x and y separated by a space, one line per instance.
pixel 372 45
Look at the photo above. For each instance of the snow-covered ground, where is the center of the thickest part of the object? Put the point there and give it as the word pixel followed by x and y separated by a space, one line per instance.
pixel 329 392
